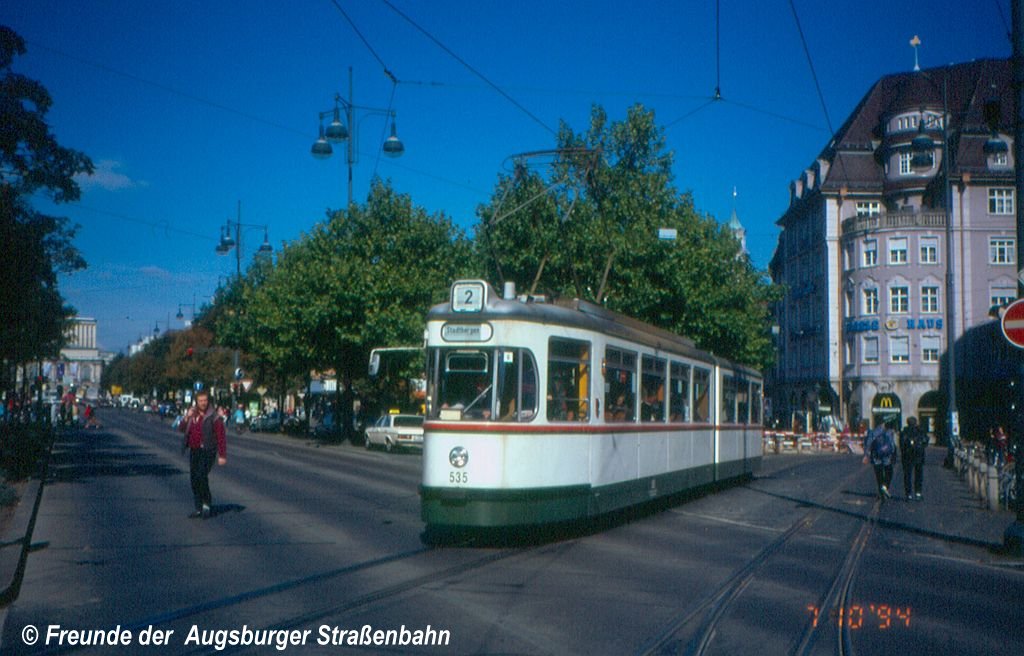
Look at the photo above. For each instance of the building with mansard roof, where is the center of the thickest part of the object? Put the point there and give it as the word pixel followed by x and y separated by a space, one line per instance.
pixel 863 251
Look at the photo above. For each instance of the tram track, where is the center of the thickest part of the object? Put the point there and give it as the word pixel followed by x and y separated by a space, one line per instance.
pixel 707 616
pixel 337 611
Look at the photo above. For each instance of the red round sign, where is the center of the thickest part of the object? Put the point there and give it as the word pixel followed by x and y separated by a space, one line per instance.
pixel 1013 323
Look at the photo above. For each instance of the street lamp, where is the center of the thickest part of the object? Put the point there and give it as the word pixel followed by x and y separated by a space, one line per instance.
pixel 336 132
pixel 227 242
pixel 923 148
pixel 180 316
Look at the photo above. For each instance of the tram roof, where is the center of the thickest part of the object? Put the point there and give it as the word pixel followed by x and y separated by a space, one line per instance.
pixel 577 313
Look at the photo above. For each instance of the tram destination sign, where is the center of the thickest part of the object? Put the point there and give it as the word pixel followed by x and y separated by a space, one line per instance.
pixel 1013 323
pixel 466 332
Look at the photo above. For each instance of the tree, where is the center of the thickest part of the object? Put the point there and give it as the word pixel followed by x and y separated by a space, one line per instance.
pixel 593 234
pixel 362 279
pixel 37 246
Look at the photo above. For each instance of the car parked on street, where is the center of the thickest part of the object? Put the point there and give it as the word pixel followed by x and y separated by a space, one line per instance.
pixel 266 423
pixel 396 432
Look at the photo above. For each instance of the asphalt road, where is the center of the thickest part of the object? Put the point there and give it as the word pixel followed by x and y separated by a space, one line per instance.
pixel 319 540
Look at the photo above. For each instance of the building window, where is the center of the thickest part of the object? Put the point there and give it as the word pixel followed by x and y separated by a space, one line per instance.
pixel 1002 250
pixel 870 301
pixel 869 350
pixel 1000 159
pixel 905 167
pixel 929 299
pixel 868 208
pixel 898 250
pixel 929 250
pixel 1000 200
pixel 899 300
pixel 930 349
pixel 899 350
pixel 906 123
pixel 870 252
pixel 1000 296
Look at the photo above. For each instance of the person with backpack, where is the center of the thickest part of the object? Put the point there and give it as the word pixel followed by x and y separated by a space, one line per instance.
pixel 879 449
pixel 913 445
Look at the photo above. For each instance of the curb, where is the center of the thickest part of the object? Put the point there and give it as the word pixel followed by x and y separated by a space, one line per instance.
pixel 16 541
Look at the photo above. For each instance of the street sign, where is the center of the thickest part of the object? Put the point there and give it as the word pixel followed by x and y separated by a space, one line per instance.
pixel 1013 323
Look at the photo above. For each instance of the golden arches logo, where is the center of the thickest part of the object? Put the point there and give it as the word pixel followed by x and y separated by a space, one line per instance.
pixel 885 402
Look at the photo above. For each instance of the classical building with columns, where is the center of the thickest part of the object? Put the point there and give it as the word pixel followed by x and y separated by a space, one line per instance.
pixel 865 247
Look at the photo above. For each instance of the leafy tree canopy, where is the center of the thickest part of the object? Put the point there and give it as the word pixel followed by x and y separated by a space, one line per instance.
pixel 587 227
pixel 37 247
pixel 362 279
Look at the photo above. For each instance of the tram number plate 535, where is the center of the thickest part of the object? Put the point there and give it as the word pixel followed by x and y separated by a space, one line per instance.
pixel 458 477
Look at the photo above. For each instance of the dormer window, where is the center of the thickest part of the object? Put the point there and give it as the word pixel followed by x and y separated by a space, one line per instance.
pixel 904 123
pixel 997 151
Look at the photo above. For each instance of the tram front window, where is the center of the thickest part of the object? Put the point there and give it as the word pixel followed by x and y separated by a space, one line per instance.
pixel 484 384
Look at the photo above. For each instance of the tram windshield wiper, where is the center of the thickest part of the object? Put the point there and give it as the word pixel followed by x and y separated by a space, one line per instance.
pixel 478 397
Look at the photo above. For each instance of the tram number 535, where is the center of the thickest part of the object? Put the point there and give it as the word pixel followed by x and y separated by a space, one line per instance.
pixel 458 477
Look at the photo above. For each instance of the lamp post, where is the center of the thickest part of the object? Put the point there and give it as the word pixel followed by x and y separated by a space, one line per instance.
pixel 227 242
pixel 923 148
pixel 180 316
pixel 337 132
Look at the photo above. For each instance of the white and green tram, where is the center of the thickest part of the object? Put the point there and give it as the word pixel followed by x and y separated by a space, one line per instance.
pixel 542 412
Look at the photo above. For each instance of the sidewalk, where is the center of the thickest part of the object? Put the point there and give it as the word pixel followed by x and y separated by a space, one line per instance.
pixel 16 526
pixel 949 511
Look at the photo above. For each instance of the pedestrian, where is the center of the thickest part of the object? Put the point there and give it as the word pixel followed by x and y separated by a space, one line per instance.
pixel 239 418
pixel 913 446
pixel 999 444
pixel 90 417
pixel 879 449
pixel 205 441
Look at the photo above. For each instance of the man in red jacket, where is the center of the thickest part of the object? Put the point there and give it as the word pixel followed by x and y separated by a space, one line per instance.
pixel 206 441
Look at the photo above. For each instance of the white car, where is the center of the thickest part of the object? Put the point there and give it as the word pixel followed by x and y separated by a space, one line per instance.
pixel 396 431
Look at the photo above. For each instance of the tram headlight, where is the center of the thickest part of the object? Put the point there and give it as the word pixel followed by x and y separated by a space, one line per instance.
pixel 458 456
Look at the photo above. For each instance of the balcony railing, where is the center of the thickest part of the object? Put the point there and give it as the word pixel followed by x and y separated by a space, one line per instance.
pixel 894 220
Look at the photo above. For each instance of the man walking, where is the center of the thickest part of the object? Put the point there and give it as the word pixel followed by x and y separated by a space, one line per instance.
pixel 879 449
pixel 206 441
pixel 913 445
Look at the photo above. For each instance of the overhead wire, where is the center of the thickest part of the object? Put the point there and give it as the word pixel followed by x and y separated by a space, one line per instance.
pixel 469 67
pixel 164 87
pixel 387 72
pixel 817 86
pixel 366 43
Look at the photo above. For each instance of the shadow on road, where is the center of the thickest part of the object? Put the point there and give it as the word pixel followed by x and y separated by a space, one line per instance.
pixel 80 456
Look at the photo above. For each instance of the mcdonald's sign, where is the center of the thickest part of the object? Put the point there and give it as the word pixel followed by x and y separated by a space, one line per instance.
pixel 886 404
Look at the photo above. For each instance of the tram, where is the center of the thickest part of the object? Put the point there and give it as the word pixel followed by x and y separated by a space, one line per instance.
pixel 545 412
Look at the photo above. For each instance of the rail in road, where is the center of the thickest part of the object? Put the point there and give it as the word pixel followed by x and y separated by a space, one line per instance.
pixel 703 621
pixel 784 564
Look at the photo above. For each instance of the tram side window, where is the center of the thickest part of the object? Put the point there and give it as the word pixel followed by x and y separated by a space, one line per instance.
pixel 652 383
pixel 465 384
pixel 517 385
pixel 729 393
pixel 568 380
pixel 679 393
pixel 701 395
pixel 743 402
pixel 619 385
pixel 756 403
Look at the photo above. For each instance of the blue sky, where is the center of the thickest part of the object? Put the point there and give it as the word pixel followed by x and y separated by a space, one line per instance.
pixel 189 108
